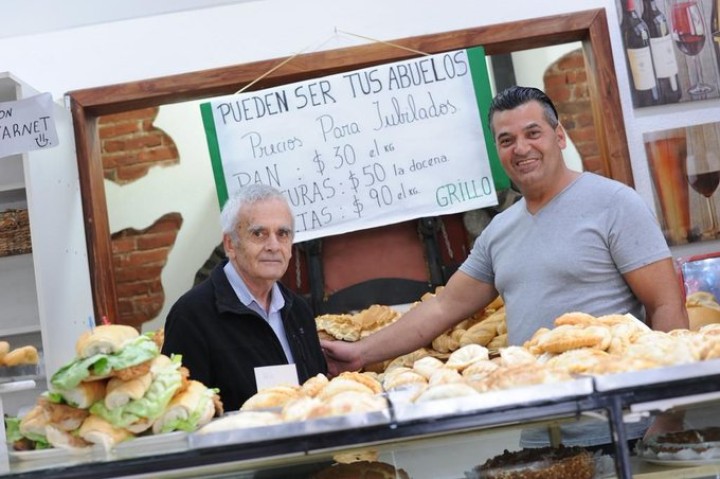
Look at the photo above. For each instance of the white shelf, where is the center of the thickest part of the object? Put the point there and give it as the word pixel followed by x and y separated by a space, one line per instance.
pixel 5 332
pixel 12 187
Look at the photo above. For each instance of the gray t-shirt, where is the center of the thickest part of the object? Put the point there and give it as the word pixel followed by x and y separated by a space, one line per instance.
pixel 569 256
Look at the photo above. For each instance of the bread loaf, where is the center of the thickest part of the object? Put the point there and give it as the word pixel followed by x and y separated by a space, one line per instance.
pixel 98 431
pixel 120 392
pixel 84 394
pixel 104 339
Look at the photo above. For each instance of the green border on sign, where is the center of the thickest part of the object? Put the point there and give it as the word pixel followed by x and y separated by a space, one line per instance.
pixel 214 150
pixel 483 95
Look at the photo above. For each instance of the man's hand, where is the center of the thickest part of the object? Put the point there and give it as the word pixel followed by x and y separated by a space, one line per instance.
pixel 342 356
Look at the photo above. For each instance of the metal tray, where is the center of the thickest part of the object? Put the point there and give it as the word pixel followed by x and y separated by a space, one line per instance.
pixel 199 439
pixel 662 375
pixel 490 400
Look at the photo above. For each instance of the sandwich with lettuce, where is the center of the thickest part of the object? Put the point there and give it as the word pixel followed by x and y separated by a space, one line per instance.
pixel 134 404
pixel 107 350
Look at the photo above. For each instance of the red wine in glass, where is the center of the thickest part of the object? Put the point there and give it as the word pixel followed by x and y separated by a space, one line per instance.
pixel 705 183
pixel 690 44
pixel 689 32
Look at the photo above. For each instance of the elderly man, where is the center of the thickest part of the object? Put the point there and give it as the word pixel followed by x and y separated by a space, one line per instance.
pixel 241 319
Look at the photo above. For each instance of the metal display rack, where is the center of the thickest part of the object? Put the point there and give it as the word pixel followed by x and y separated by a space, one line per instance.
pixel 242 454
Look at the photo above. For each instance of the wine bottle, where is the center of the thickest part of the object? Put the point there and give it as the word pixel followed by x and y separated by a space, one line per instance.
pixel 636 38
pixel 663 54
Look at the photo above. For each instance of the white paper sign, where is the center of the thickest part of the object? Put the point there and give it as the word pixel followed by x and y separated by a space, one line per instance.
pixel 280 375
pixel 359 149
pixel 27 125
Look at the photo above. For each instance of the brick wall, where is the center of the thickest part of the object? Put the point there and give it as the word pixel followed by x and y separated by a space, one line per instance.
pixel 130 146
pixel 566 83
pixel 139 257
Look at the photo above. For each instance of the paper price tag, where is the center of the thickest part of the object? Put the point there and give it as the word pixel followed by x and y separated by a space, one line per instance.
pixel 271 376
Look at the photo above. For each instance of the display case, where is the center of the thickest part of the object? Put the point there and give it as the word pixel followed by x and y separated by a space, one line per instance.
pixel 438 439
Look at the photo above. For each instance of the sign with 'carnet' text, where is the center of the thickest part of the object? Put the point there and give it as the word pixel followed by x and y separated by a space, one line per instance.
pixel 27 125
pixel 364 148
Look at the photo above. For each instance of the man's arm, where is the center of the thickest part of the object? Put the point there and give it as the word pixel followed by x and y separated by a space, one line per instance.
pixel 459 299
pixel 658 288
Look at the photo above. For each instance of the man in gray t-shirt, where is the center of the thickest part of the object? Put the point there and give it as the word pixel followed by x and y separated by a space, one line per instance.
pixel 575 242
pixel 569 256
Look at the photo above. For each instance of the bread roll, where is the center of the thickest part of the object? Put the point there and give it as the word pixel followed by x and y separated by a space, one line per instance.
pixel 120 392
pixel 195 399
pixel 64 439
pixel 104 339
pixel 34 422
pixel 98 431
pixel 85 394
pixel 22 355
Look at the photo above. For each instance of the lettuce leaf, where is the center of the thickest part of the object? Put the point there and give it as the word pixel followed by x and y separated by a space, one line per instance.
pixel 162 389
pixel 141 349
pixel 13 434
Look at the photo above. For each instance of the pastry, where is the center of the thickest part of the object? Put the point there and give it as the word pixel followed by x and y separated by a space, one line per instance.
pixel 427 366
pixel 403 379
pixel 444 376
pixel 512 355
pixel 314 385
pixel 577 361
pixel 539 463
pixel 21 356
pixel 361 470
pixel 446 391
pixel 270 398
pixel 467 355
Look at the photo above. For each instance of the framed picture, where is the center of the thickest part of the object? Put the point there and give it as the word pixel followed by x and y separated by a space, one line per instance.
pixel 670 50
pixel 684 165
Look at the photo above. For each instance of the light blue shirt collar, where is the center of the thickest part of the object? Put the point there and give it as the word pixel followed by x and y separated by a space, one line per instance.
pixel 273 316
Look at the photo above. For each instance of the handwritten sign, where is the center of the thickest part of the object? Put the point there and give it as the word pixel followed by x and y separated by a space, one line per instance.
pixel 27 125
pixel 364 148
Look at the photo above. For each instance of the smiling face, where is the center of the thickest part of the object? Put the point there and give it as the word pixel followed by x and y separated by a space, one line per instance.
pixel 530 149
pixel 262 246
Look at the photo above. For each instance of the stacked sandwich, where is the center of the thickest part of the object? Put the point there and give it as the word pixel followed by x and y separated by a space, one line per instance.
pixel 118 386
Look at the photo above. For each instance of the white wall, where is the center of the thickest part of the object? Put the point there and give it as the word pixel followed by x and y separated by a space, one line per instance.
pixel 64 60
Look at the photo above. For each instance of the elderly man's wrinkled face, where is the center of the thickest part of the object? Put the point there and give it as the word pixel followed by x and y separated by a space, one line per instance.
pixel 265 233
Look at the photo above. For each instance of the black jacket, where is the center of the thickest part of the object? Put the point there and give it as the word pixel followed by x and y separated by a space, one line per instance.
pixel 221 340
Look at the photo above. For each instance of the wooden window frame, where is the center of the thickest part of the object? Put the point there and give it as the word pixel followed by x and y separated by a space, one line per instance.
pixel 589 27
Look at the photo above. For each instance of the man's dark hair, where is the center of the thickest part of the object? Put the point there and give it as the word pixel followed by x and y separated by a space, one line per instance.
pixel 514 96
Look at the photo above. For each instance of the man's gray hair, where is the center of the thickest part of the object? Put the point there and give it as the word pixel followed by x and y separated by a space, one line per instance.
pixel 247 195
